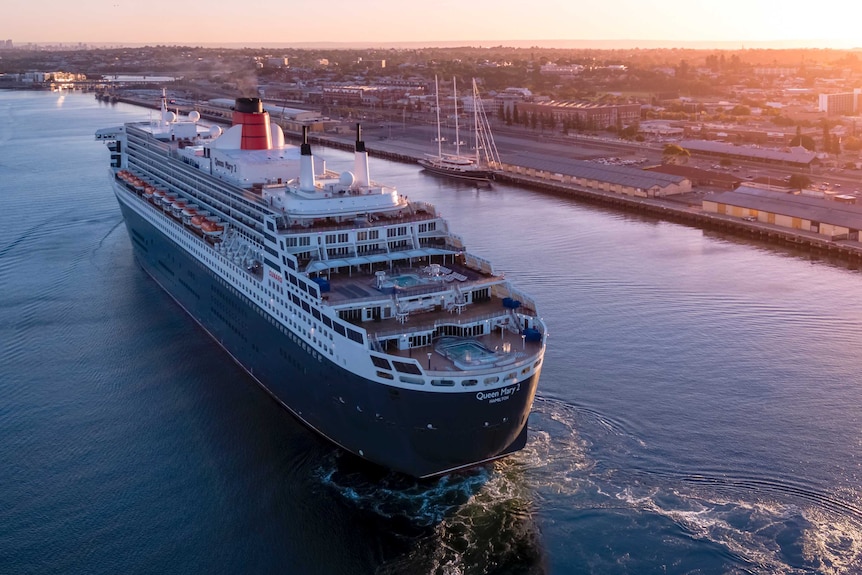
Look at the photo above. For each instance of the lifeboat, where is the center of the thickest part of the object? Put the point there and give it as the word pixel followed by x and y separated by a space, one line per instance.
pixel 167 200
pixel 197 221
pixel 210 228
pixel 149 191
pixel 178 206
pixel 188 212
pixel 158 195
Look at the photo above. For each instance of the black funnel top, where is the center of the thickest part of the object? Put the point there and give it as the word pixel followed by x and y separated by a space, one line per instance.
pixel 305 148
pixel 249 105
pixel 360 145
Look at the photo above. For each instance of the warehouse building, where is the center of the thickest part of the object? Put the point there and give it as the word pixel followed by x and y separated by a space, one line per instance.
pixel 833 220
pixel 609 178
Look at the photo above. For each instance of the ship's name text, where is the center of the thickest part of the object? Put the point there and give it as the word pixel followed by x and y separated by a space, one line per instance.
pixel 222 164
pixel 498 395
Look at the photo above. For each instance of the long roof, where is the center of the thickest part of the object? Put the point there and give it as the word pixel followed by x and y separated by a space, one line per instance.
pixel 797 206
pixel 796 155
pixel 617 175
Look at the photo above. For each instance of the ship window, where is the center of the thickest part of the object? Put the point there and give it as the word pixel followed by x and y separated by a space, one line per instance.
pixel 354 335
pixel 270 227
pixel 381 362
pixel 327 322
pixel 315 312
pixel 385 375
pixel 404 367
pixel 414 380
pixel 538 363
pixel 305 306
pixel 490 380
pixel 469 382
pixel 442 382
pixel 340 329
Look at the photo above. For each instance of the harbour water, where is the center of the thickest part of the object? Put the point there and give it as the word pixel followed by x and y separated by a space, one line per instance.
pixel 699 409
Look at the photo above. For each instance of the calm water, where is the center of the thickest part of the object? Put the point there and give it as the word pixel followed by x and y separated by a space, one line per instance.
pixel 699 409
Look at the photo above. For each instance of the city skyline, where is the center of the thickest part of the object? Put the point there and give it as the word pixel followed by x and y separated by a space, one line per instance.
pixel 621 23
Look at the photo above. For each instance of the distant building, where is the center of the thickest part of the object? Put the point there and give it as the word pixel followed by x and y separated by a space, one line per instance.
pixel 571 70
pixel 834 220
pixel 622 180
pixel 841 104
pixel 797 156
pixel 278 62
pixel 585 115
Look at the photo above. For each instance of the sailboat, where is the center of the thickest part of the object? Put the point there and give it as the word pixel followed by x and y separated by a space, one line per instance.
pixel 477 168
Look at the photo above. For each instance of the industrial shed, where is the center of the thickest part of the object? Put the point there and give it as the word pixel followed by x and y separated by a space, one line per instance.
pixel 797 157
pixel 827 218
pixel 609 178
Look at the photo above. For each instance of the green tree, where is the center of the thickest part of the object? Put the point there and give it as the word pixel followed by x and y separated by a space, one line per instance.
pixel 806 142
pixel 798 181
pixel 675 154
pixel 852 144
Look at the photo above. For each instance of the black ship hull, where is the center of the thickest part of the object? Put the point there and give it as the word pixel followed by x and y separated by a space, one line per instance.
pixel 453 172
pixel 420 433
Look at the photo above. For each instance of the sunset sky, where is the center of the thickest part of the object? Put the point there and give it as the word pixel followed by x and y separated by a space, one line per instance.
pixel 828 23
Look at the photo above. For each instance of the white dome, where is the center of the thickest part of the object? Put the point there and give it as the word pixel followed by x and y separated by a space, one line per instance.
pixel 346 179
pixel 194 116
pixel 215 131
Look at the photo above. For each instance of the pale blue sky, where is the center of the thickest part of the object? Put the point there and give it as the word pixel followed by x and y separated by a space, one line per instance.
pixel 834 22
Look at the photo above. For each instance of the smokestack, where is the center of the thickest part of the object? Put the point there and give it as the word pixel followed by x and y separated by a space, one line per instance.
pixel 256 134
pixel 306 164
pixel 360 160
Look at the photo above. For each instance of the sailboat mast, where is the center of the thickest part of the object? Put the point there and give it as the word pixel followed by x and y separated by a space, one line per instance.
pixel 457 135
pixel 437 100
pixel 476 121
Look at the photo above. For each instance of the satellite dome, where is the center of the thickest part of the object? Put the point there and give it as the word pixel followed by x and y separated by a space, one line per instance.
pixel 215 131
pixel 194 116
pixel 171 117
pixel 346 179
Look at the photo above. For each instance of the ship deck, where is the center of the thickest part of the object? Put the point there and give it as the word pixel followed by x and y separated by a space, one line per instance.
pixel 361 287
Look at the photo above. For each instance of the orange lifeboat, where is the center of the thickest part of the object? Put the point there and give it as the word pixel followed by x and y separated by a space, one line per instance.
pixel 197 221
pixel 158 195
pixel 149 191
pixel 211 228
pixel 189 211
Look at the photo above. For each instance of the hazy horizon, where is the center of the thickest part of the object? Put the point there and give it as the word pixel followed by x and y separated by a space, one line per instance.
pixel 733 24
pixel 618 44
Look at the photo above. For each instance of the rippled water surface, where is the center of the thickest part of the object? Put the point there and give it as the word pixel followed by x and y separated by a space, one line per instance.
pixel 699 408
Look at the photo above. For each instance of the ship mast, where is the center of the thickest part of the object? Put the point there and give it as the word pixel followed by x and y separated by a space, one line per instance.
pixel 437 101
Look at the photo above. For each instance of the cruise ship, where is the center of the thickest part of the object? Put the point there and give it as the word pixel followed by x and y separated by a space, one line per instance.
pixel 353 307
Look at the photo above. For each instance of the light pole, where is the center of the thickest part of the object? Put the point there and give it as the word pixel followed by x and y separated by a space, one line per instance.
pixel 429 360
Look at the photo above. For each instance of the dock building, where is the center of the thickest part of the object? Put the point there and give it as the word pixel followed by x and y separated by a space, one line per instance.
pixel 829 219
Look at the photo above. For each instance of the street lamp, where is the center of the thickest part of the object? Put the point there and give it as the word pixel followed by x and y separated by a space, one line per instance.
pixel 429 360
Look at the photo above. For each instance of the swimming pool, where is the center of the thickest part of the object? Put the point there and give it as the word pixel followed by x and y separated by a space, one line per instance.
pixel 400 281
pixel 466 353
